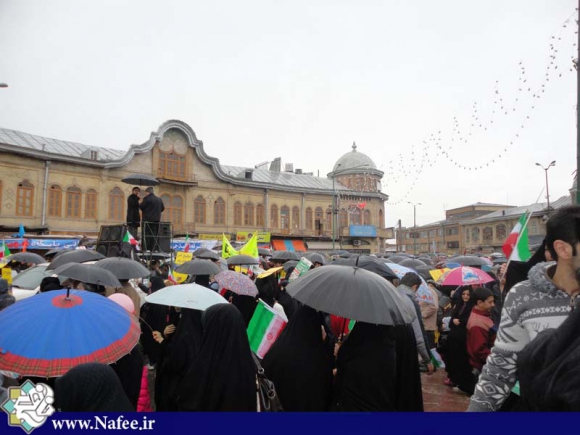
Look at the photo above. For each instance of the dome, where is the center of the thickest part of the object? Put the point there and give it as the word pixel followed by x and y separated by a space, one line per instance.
pixel 354 160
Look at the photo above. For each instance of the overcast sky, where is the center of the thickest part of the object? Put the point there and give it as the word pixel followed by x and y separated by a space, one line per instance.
pixel 303 79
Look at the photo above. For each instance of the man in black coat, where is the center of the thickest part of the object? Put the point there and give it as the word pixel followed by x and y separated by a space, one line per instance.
pixel 151 208
pixel 133 216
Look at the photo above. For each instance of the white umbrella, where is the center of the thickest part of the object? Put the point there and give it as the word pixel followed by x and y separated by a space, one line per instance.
pixel 192 296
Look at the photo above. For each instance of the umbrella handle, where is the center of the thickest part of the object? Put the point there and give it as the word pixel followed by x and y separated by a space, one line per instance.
pixel 67 298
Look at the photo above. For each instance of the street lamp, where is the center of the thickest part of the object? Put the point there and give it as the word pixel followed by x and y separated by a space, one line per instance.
pixel 414 226
pixel 546 172
pixel 334 205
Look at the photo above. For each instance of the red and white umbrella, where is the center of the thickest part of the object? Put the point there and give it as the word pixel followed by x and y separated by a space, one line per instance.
pixel 464 276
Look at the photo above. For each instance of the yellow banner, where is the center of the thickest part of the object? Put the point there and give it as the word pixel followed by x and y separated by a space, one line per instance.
pixel 251 247
pixel 182 257
pixel 227 249
pixel 244 236
pixel 7 275
pixel 211 237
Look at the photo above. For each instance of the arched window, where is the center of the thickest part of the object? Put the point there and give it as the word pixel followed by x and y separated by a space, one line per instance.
pixel 24 198
pixel 285 218
pixel 219 212
pixel 91 204
pixel 355 217
pixel 368 217
pixel 475 234
pixel 320 213
pixel 343 218
pixel 295 217
pixel 260 215
pixel 488 235
pixel 500 232
pixel 171 165
pixel 176 210
pixel 467 233
pixel 309 218
pixel 274 216
pixel 249 214
pixel 381 220
pixel 116 205
pixel 199 210
pixel 73 202
pixel 54 201
pixel 238 213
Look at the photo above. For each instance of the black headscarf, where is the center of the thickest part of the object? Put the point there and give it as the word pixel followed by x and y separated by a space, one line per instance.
pixel 517 271
pixel 91 387
pixel 153 318
pixel 49 283
pixel 549 369
pixel 129 369
pixel 409 394
pixel 202 280
pixel 157 283
pixel 6 299
pixel 366 370
pixel 246 304
pixel 223 376
pixel 178 353
pixel 300 364
pixel 268 289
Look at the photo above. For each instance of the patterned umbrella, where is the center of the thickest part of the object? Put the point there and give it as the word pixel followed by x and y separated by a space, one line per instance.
pixel 52 332
pixel 465 276
pixel 237 282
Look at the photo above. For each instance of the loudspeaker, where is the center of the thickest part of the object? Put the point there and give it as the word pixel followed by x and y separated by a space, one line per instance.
pixel 110 241
pixel 165 236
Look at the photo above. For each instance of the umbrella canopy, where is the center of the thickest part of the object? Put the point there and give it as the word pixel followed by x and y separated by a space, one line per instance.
pixel 200 251
pixel 75 256
pixel 289 264
pixel 55 252
pixel 192 296
pixel 123 268
pixel 366 262
pixel 437 273
pixel 315 257
pixel 237 282
pixel 49 334
pixel 398 258
pixel 26 257
pixel 499 260
pixel 199 267
pixel 409 262
pixel 469 260
pixel 208 255
pixel 352 293
pixel 285 256
pixel 265 252
pixel 423 292
pixel 88 273
pixel 465 276
pixel 424 271
pixel 426 260
pixel 140 180
pixel 242 260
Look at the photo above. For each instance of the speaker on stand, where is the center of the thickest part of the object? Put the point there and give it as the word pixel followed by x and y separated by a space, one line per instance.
pixel 110 241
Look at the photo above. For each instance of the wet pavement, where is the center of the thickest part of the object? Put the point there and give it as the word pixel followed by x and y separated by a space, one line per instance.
pixel 438 397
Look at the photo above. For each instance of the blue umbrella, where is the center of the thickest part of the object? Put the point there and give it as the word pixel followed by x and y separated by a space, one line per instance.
pixel 50 333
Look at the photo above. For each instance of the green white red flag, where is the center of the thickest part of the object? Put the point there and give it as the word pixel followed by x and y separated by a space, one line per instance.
pixel 186 248
pixel 130 239
pixel 517 246
pixel 264 328
pixel 5 252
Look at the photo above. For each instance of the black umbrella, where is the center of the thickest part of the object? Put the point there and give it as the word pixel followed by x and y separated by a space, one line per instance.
pixel 289 265
pixel 140 180
pixel 265 252
pixel 200 251
pixel 371 264
pixel 124 268
pixel 398 258
pixel 88 273
pixel 424 271
pixel 55 252
pixel 199 267
pixel 409 262
pixel 242 260
pixel 468 260
pixel 426 260
pixel 285 256
pixel 208 255
pixel 76 256
pixel 352 293
pixel 499 260
pixel 26 257
pixel 315 257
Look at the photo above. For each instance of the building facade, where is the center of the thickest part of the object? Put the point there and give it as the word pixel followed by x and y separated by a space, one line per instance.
pixel 58 187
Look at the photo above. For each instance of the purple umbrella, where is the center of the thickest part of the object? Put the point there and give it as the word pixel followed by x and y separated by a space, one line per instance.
pixel 237 283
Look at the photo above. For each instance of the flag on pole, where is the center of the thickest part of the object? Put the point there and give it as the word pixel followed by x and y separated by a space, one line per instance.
pixel 186 248
pixel 227 249
pixel 251 247
pixel 516 246
pixel 130 239
pixel 5 252
pixel 171 277
pixel 264 328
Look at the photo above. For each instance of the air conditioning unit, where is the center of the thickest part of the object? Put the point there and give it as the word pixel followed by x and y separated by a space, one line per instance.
pixel 356 243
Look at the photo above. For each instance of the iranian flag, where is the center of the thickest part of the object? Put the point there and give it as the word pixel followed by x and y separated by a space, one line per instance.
pixel 186 248
pixel 264 328
pixel 5 252
pixel 130 239
pixel 171 277
pixel 516 247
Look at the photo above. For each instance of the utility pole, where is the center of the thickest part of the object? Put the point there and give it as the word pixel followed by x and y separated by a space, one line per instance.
pixel 414 226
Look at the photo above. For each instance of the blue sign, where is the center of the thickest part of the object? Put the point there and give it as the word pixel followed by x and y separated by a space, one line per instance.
pixel 42 243
pixel 362 231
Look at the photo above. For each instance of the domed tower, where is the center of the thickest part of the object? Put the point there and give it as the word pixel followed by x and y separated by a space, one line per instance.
pixel 357 171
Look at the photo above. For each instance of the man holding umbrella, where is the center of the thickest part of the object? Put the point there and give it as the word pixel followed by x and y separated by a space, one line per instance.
pixel 152 207
pixel 133 215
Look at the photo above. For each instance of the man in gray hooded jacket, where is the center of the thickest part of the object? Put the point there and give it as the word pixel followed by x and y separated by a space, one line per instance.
pixel 542 302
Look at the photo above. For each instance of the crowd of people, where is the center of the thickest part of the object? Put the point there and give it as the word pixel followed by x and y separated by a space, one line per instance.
pixel 516 330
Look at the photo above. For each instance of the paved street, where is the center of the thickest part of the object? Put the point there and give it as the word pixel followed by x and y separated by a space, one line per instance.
pixel 441 398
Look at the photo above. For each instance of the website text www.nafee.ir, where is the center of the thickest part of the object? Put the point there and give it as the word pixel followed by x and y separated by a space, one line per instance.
pixel 104 423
